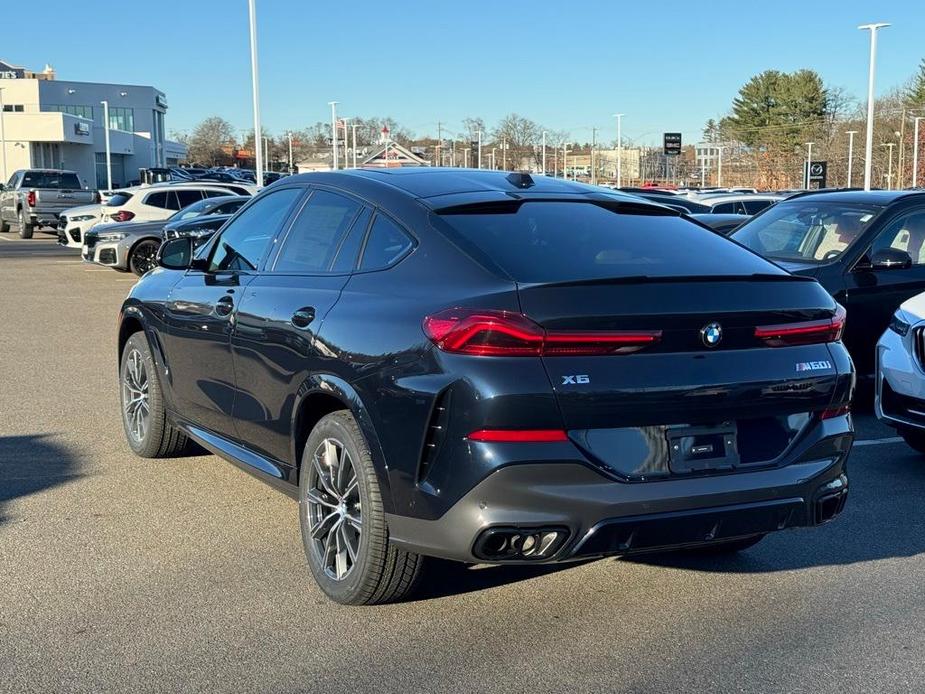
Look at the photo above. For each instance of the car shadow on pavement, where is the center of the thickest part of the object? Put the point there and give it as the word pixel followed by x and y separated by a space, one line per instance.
pixel 30 464
pixel 883 519
pixel 449 578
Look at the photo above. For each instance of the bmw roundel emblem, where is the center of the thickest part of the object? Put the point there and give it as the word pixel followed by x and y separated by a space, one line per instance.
pixel 711 334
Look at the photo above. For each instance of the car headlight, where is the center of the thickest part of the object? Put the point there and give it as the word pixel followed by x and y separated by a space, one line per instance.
pixel 899 324
pixel 112 236
pixel 81 218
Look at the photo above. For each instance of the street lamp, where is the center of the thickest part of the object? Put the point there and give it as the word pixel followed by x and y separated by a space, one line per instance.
pixel 353 127
pixel 915 152
pixel 2 139
pixel 565 160
pixel 480 148
pixel 255 89
pixel 289 137
pixel 544 151
pixel 850 134
pixel 889 173
pixel 333 105
pixel 719 166
pixel 108 154
pixel 619 117
pixel 809 163
pixel 869 144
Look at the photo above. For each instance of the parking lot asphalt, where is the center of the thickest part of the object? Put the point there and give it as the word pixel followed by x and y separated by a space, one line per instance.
pixel 122 574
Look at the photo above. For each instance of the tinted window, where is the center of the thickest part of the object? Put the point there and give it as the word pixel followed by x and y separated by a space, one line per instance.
pixel 725 208
pixel 347 255
pixel 755 206
pixel 190 211
pixel 215 193
pixel 806 230
pixel 904 234
pixel 157 200
pixel 119 199
pixel 563 241
pixel 246 238
pixel 229 207
pixel 316 233
pixel 385 245
pixel 188 197
pixel 50 179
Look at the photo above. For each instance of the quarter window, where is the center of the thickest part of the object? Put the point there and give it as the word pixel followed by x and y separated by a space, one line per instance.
pixel 188 197
pixel 386 244
pixel 247 237
pixel 317 232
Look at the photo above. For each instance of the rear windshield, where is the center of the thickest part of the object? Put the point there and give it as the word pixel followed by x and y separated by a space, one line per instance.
pixel 51 179
pixel 567 241
pixel 119 199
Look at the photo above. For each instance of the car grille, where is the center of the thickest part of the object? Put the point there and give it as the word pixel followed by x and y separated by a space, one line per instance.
pixel 918 345
pixel 89 241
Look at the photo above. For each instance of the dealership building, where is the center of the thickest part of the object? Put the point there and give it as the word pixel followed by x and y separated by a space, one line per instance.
pixel 51 123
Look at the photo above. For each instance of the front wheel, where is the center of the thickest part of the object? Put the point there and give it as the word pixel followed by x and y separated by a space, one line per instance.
pixel 143 256
pixel 344 532
pixel 914 438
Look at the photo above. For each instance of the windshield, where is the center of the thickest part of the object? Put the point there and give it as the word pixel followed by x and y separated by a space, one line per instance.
pixel 195 210
pixel 806 231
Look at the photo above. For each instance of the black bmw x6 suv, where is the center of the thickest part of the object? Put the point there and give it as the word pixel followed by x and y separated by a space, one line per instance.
pixel 491 367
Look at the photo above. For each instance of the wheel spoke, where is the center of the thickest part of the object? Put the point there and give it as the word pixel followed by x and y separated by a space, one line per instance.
pixel 351 486
pixel 318 529
pixel 354 521
pixel 341 556
pixel 323 479
pixel 314 498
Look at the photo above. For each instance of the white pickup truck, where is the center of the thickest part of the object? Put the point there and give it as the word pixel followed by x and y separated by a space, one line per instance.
pixel 35 197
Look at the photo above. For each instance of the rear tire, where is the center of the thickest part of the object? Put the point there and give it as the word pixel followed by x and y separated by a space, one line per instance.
pixel 25 229
pixel 728 546
pixel 914 438
pixel 344 532
pixel 144 417
pixel 143 257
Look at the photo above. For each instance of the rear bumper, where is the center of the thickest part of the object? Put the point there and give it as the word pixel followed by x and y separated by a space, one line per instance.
pixel 604 516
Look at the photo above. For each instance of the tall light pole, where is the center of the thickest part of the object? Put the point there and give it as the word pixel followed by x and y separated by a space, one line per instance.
pixel 544 151
pixel 889 173
pixel 493 158
pixel 289 137
pixel 850 134
pixel 480 148
pixel 869 144
pixel 915 152
pixel 2 139
pixel 809 163
pixel 593 143
pixel 255 89
pixel 719 166
pixel 266 151
pixel 565 160
pixel 108 152
pixel 619 117
pixel 353 127
pixel 333 105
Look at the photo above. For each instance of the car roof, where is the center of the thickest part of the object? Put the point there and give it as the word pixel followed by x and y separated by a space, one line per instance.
pixel 736 197
pixel 874 197
pixel 438 187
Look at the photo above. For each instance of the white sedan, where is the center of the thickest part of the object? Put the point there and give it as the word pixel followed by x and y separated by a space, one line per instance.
pixel 900 398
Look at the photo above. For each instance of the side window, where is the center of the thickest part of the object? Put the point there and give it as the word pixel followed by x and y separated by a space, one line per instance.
pixel 347 255
pixel 157 200
pixel 247 237
pixel 228 207
pixel 725 208
pixel 755 206
pixel 214 193
pixel 316 233
pixel 904 234
pixel 386 244
pixel 188 197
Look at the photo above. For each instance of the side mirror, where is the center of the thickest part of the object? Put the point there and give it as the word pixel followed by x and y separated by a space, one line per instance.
pixel 890 259
pixel 176 254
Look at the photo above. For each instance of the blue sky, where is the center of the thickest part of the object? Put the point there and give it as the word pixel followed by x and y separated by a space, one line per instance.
pixel 667 65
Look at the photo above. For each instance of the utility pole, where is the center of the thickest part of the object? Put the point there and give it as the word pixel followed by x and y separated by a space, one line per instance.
pixel 333 105
pixel 353 127
pixel 809 163
pixel 593 144
pixel 619 117
pixel 504 153
pixel 255 90
pixel 850 134
pixel 480 148
pixel 869 144
pixel 565 161
pixel 719 166
pixel 439 148
pixel 108 151
pixel 915 153
pixel 289 137
pixel 544 152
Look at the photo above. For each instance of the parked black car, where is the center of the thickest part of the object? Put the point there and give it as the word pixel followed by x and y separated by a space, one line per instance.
pixel 679 202
pixel 199 229
pixel 865 248
pixel 723 224
pixel 490 367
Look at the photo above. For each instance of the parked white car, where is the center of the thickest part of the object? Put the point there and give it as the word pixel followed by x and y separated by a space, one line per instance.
pixel 153 203
pixel 738 203
pixel 75 222
pixel 900 395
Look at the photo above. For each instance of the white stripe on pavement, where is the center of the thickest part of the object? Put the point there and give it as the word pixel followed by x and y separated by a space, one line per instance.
pixel 875 442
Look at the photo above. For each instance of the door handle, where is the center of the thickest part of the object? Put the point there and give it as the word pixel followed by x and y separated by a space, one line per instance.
pixel 303 317
pixel 224 306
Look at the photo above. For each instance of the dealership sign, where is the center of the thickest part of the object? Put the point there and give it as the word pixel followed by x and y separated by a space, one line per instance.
pixel 672 143
pixel 81 128
pixel 11 72
pixel 818 173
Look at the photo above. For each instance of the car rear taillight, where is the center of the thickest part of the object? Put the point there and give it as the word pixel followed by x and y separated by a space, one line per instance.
pixel 518 435
pixel 806 333
pixel 30 198
pixel 508 334
pixel 123 216
pixel 833 412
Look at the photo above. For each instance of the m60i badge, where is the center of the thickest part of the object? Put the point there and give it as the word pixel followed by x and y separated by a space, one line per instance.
pixel 814 365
